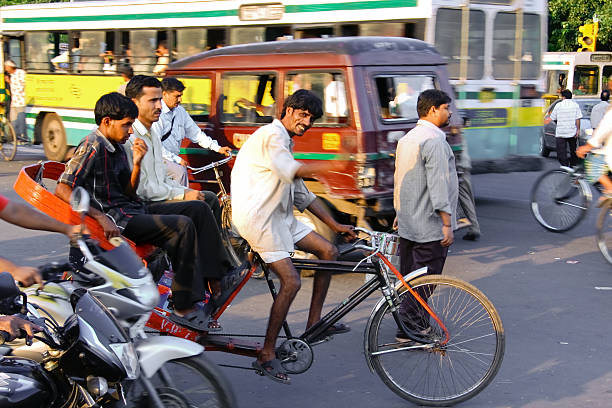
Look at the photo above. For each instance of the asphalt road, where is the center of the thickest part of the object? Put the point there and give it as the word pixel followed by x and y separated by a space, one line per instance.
pixel 550 289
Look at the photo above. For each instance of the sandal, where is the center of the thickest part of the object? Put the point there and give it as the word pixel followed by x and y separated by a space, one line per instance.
pixel 230 282
pixel 337 328
pixel 198 320
pixel 273 370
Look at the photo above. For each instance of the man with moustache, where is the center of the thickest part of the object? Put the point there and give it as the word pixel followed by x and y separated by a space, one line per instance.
pixel 157 188
pixel 101 166
pixel 266 185
pixel 425 200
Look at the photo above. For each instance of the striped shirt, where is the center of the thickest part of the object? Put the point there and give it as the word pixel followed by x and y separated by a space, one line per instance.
pixel 102 168
pixel 565 114
pixel 425 183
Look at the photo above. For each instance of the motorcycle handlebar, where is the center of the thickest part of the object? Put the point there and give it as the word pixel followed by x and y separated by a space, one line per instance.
pixel 54 271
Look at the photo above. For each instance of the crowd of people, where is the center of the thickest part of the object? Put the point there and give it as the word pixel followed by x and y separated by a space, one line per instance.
pixel 130 167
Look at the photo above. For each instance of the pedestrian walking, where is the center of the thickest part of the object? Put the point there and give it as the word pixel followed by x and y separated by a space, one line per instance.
pixel 18 99
pixel 425 199
pixel 567 114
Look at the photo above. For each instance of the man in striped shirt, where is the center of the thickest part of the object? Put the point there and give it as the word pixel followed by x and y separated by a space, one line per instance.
pixel 425 199
pixel 567 114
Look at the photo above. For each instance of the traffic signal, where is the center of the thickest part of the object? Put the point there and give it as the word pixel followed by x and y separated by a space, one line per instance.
pixel 589 37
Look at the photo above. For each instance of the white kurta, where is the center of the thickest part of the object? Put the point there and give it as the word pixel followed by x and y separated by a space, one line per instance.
pixel 264 191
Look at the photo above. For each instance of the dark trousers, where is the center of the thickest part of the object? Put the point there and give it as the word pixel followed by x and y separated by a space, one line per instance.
pixel 213 202
pixel 415 255
pixel 562 144
pixel 188 232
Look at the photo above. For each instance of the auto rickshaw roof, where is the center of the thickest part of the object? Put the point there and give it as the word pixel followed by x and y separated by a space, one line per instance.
pixel 352 51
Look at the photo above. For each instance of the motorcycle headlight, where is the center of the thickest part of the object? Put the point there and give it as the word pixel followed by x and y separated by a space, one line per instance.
pixel 126 353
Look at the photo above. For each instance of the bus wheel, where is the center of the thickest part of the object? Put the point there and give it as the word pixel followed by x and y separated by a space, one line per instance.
pixel 54 137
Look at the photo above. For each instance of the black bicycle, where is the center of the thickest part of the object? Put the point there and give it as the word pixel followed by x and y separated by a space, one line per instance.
pixel 447 352
pixel 560 198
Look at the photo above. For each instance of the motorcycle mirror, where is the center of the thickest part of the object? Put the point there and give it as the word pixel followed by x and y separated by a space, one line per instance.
pixel 8 288
pixel 79 200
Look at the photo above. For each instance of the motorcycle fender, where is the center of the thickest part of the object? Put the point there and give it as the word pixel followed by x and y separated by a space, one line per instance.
pixel 153 352
pixel 410 277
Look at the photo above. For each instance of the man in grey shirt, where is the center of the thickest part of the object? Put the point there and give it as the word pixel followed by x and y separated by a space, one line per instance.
pixel 599 110
pixel 425 199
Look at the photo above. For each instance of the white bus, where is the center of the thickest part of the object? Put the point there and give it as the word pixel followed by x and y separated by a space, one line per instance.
pixel 71 52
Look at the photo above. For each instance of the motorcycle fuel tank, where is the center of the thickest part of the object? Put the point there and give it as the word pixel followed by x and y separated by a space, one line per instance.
pixel 23 384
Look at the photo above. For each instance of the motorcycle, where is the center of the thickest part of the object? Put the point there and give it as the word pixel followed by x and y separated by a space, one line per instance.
pixel 86 361
pixel 169 365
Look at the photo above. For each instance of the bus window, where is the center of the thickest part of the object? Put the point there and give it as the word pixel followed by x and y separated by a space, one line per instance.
pixel 93 52
pixel 314 32
pixel 606 79
pixel 13 51
pixel 530 65
pixel 329 86
pixel 190 41
pixel 385 30
pixel 245 35
pixel 143 44
pixel 504 39
pixel 448 41
pixel 249 98
pixel 586 78
pixel 556 81
pixel 42 48
pixel 197 97
pixel 398 95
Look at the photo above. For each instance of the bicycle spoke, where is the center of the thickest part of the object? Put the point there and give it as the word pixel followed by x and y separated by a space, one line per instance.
pixel 450 372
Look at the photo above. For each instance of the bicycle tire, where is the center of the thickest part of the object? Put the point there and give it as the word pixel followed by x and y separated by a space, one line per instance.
pixel 236 246
pixel 471 320
pixel 559 200
pixel 8 141
pixel 206 387
pixel 604 230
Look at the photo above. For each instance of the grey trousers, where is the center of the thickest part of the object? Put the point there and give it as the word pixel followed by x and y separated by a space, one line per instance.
pixel 177 172
pixel 17 117
pixel 466 199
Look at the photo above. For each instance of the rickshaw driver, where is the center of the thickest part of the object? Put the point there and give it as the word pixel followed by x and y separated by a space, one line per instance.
pixel 266 184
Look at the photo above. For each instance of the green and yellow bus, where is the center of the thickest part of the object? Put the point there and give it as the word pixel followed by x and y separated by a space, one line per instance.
pixel 72 51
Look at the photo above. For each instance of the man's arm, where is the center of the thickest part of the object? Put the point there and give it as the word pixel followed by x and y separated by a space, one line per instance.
pixel 436 168
pixel 64 191
pixel 26 217
pixel 197 135
pixel 320 210
pixel 26 275
pixel 139 149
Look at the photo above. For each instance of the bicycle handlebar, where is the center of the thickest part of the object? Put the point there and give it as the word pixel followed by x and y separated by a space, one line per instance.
pixel 212 165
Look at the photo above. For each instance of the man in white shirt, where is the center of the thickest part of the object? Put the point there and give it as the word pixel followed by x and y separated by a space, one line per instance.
pixel 156 186
pixel 174 125
pixel 17 116
pixel 567 114
pixel 599 110
pixel 266 185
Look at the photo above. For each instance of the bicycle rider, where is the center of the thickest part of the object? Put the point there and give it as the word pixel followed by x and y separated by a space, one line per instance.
pixel 174 125
pixel 266 185
pixel 598 165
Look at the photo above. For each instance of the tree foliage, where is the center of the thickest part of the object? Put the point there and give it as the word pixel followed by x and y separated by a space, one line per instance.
pixel 13 2
pixel 567 15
